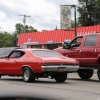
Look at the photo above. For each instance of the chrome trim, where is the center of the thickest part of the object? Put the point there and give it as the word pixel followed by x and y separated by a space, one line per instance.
pixel 68 68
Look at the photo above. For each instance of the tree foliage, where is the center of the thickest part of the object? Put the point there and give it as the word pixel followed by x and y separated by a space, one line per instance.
pixel 73 24
pixel 21 29
pixel 89 12
pixel 7 39
pixel 10 39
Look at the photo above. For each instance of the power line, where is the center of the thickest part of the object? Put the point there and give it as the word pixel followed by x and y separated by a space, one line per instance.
pixel 24 21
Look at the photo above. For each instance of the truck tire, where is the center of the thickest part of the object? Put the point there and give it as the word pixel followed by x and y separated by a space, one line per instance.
pixel 85 73
pixel 98 72
pixel 0 76
pixel 28 75
pixel 61 77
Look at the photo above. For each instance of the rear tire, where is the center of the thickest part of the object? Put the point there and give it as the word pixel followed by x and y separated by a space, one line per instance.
pixel 0 76
pixel 28 75
pixel 61 77
pixel 85 73
pixel 98 72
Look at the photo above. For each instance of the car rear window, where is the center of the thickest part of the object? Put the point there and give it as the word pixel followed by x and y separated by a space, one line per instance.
pixel 45 53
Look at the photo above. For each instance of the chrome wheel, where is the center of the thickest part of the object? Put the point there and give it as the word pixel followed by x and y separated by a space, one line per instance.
pixel 28 75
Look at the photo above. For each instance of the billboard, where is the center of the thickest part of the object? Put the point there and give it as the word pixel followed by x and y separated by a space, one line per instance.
pixel 65 17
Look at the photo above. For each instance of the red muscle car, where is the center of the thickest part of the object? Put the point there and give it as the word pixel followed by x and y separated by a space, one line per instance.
pixel 36 63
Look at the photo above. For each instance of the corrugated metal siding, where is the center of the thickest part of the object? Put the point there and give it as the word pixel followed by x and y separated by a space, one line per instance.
pixel 55 35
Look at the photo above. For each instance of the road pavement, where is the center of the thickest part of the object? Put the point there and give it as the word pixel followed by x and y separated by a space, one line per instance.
pixel 72 89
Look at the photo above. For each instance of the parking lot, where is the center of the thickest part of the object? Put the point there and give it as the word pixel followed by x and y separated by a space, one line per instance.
pixel 73 89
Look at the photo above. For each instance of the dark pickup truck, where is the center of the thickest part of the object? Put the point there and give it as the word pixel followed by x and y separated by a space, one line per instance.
pixel 86 49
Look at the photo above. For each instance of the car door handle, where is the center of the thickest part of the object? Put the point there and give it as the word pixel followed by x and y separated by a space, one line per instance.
pixel 78 51
pixel 95 50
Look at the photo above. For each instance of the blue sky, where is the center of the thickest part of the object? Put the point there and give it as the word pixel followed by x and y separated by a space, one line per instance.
pixel 45 14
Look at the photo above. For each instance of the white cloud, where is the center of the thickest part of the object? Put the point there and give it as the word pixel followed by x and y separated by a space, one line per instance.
pixel 45 14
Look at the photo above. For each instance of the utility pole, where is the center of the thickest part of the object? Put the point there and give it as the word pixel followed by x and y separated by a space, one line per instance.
pixel 24 21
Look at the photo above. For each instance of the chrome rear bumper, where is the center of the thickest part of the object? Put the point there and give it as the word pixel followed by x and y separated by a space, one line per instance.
pixel 68 68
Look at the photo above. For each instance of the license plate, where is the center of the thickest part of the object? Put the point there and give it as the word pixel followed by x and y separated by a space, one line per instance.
pixel 61 69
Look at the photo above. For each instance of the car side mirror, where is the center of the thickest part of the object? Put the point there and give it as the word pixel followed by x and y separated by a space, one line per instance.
pixel 66 46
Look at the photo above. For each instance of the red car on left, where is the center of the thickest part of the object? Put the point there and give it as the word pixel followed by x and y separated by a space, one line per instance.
pixel 36 63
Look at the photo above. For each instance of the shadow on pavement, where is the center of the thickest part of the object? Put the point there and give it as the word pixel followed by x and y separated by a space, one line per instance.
pixel 36 81
pixel 88 80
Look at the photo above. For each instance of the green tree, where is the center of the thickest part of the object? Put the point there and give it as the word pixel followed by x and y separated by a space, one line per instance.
pixel 31 29
pixel 89 12
pixel 73 23
pixel 7 39
pixel 21 29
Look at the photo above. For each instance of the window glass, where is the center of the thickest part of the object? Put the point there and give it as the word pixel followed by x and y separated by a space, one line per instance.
pixel 45 53
pixel 90 40
pixel 16 54
pixel 76 42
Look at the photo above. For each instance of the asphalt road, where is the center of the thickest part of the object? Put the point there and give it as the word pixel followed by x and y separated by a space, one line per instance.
pixel 73 89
